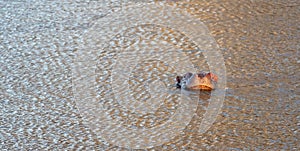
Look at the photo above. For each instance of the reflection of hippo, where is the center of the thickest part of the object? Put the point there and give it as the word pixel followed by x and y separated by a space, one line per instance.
pixel 197 81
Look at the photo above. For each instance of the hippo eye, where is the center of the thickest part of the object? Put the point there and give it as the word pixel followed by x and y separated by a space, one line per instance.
pixel 188 75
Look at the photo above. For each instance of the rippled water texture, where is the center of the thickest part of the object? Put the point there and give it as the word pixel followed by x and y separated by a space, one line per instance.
pixel 40 41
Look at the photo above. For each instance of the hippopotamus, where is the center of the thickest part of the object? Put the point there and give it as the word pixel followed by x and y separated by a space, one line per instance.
pixel 197 81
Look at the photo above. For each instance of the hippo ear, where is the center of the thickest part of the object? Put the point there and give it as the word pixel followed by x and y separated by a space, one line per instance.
pixel 212 76
pixel 178 79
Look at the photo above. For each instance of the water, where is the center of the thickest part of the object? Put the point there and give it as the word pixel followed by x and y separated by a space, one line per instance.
pixel 40 41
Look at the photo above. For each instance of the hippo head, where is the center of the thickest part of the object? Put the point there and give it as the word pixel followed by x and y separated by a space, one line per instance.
pixel 199 81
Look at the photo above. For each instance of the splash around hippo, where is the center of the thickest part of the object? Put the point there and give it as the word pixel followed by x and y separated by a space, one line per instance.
pixel 197 81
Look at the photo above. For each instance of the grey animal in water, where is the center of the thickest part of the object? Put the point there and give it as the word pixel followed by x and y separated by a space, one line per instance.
pixel 197 81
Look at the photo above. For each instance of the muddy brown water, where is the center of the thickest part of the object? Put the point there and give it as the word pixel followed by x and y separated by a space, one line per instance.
pixel 259 41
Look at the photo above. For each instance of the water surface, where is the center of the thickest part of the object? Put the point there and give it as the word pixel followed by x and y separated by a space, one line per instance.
pixel 259 41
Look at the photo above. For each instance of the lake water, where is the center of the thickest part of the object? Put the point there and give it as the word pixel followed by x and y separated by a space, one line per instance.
pixel 75 76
